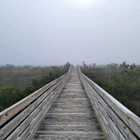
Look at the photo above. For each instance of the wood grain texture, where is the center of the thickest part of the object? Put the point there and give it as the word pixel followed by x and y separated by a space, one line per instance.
pixel 71 116
pixel 121 122
pixel 20 121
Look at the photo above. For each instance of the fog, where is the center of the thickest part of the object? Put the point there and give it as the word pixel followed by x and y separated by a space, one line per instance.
pixel 53 32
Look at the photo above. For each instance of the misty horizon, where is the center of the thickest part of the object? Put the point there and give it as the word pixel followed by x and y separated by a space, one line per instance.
pixel 43 33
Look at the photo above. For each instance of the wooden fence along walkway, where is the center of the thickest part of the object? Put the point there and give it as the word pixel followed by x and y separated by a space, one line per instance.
pixel 42 115
pixel 20 121
pixel 118 123
pixel 71 116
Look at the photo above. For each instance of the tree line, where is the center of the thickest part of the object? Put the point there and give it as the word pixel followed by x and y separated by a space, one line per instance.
pixel 122 81
pixel 17 82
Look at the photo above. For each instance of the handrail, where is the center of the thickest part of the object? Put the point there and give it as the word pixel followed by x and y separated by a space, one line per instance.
pixel 21 120
pixel 118 122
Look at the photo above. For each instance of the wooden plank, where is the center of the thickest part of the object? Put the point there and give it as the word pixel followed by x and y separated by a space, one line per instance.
pixel 39 116
pixel 14 109
pixel 7 129
pixel 14 135
pixel 38 109
pixel 100 117
pixel 25 133
pixel 40 106
pixel 35 126
pixel 10 112
pixel 105 126
pixel 50 102
pixel 121 125
pixel 134 123
pixel 75 119
pixel 94 101
pixel 47 106
pixel 126 132
pixel 36 122
pixel 36 103
pixel 27 122
pixel 14 128
pixel 131 120
pixel 111 124
pixel 41 110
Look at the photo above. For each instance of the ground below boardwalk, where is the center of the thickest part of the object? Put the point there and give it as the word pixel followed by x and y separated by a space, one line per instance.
pixel 71 117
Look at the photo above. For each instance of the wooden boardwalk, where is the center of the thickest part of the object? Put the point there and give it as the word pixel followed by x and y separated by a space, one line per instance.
pixel 71 117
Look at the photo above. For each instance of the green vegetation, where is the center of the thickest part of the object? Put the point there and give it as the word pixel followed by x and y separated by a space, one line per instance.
pixel 17 82
pixel 121 81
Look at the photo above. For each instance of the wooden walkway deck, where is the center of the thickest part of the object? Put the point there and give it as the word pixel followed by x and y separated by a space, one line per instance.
pixel 71 117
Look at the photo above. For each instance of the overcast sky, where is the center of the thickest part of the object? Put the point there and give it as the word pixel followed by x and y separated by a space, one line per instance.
pixel 53 32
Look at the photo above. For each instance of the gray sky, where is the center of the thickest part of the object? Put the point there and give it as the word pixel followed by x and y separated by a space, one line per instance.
pixel 53 32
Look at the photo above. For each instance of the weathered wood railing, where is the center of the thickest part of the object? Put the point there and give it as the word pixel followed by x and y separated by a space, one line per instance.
pixel 20 121
pixel 118 123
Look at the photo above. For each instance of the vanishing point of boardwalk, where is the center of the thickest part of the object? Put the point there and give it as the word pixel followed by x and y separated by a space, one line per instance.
pixel 71 117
